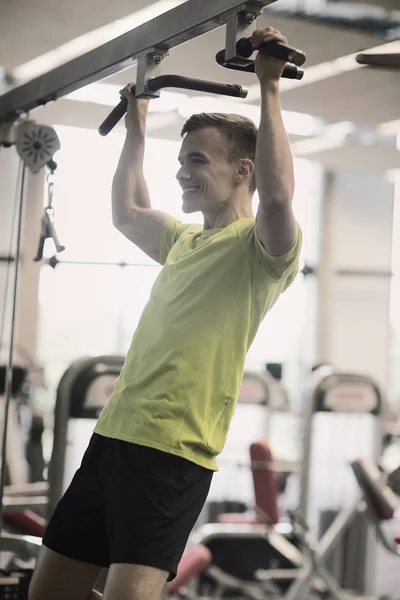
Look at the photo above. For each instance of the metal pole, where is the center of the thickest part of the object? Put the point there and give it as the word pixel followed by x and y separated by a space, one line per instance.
pixel 309 410
pixel 324 276
pixel 9 368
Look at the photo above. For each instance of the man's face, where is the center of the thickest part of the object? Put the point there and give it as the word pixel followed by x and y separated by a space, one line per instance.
pixel 206 175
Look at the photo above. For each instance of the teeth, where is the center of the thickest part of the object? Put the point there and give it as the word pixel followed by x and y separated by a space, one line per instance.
pixel 191 189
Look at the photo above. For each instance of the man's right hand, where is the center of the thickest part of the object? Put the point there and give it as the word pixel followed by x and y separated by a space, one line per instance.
pixel 136 113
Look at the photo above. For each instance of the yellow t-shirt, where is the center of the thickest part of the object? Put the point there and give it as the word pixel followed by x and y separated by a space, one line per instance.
pixel 178 388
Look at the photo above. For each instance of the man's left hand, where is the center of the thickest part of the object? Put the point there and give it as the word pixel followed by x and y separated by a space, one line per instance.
pixel 267 68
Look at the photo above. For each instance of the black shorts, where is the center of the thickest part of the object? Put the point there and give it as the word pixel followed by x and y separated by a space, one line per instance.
pixel 128 504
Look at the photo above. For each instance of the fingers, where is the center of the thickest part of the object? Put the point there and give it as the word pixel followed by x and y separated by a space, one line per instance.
pixel 260 36
pixel 127 91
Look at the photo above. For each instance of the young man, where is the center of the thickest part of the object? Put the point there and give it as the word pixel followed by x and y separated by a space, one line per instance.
pixel 147 471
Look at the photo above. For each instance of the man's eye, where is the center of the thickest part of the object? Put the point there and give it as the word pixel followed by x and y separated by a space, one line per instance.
pixel 197 161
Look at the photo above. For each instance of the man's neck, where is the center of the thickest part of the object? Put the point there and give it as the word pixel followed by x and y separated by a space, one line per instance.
pixel 226 217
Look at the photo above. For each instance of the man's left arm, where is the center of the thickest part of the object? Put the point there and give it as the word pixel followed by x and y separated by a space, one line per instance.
pixel 276 224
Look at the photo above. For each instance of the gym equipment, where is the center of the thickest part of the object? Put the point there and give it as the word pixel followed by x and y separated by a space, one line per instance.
pixel 24 445
pixel 20 496
pixel 342 421
pixel 237 55
pixel 242 63
pixel 238 52
pixel 17 469
pixel 153 38
pixel 243 544
pixel 379 61
pixel 25 462
pixel 381 501
pixel 181 24
pixel 48 230
pixel 283 560
pixel 35 146
pixel 253 559
pixel 171 81
pixel 82 392
pixel 265 485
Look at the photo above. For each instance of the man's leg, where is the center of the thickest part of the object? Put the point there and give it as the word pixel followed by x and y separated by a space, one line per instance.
pixel 134 582
pixel 57 577
pixel 153 500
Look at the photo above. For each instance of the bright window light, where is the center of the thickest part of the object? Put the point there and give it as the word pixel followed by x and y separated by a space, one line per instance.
pixel 390 128
pixel 334 136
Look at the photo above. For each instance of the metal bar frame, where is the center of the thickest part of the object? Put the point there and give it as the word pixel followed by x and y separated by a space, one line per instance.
pixel 177 26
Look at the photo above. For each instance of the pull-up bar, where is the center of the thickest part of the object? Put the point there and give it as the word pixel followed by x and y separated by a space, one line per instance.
pixel 240 61
pixel 148 43
pixel 178 25
pixel 175 81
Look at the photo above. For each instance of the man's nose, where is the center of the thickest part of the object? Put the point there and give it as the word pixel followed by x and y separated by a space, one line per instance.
pixel 183 173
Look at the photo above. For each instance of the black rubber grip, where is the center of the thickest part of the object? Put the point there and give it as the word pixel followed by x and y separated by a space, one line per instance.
pixel 384 61
pixel 198 85
pixel 174 81
pixel 273 48
pixel 114 117
pixel 289 71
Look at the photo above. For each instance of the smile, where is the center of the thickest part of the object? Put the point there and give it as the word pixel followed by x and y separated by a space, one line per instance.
pixel 191 189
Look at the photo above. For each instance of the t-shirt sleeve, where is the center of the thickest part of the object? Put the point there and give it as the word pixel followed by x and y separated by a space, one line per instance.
pixel 276 267
pixel 171 232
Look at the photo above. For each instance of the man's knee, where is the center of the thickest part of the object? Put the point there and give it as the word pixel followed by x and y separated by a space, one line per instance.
pixel 134 582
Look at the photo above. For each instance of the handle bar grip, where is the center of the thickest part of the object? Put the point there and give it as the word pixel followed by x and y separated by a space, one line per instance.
pixel 114 117
pixel 198 85
pixel 176 81
pixel 273 48
pixel 289 71
pixel 384 61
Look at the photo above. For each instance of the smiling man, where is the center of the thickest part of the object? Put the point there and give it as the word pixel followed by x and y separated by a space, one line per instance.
pixel 148 468
pixel 217 167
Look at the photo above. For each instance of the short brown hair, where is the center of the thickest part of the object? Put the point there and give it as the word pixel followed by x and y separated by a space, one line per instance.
pixel 240 133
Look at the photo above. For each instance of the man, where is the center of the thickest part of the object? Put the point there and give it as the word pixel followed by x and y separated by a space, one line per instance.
pixel 148 468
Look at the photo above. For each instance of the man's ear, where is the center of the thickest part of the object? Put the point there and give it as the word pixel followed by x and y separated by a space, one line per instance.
pixel 245 169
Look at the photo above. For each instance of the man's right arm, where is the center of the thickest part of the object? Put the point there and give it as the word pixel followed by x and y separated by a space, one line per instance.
pixel 131 207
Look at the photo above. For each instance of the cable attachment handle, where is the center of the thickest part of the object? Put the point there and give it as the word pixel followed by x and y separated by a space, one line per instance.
pixel 48 230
